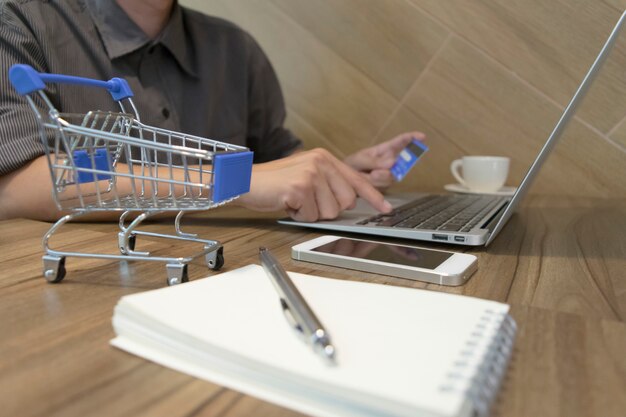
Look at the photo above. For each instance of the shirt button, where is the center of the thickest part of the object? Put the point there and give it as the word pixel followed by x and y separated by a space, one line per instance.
pixel 165 112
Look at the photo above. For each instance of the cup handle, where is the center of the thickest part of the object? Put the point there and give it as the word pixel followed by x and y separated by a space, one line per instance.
pixel 454 168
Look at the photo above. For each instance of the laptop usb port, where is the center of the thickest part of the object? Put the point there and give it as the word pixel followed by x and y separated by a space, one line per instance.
pixel 459 238
pixel 440 237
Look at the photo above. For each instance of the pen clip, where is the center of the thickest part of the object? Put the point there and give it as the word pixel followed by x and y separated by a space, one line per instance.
pixel 290 318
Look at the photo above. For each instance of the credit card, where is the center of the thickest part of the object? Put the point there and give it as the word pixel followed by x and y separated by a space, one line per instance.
pixel 407 159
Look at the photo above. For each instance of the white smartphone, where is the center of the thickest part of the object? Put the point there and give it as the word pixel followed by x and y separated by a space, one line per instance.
pixel 411 262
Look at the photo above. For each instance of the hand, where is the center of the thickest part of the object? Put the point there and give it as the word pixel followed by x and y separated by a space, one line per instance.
pixel 310 186
pixel 376 161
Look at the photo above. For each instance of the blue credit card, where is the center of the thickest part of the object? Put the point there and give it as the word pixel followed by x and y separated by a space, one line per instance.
pixel 407 159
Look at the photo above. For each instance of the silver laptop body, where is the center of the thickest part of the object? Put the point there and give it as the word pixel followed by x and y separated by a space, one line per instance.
pixel 451 218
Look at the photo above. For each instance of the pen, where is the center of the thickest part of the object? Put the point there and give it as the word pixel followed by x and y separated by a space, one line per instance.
pixel 296 309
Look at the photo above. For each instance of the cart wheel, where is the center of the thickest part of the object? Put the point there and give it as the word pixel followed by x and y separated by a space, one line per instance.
pixel 54 268
pixel 131 242
pixel 177 274
pixel 215 260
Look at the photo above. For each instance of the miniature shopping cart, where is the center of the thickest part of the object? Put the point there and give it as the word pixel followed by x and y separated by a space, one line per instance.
pixel 109 161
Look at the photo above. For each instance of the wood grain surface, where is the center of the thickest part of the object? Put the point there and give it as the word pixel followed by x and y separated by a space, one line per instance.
pixel 561 263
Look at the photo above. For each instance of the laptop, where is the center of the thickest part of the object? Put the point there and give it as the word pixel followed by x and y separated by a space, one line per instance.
pixel 454 218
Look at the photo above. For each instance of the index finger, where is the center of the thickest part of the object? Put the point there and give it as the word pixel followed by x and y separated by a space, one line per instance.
pixel 363 188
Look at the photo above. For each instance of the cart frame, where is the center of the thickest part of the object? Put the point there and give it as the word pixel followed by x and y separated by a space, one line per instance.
pixel 110 161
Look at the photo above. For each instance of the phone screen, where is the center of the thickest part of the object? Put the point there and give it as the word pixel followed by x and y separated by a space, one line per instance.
pixel 383 252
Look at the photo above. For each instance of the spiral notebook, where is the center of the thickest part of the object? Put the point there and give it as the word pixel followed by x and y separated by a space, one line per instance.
pixel 400 351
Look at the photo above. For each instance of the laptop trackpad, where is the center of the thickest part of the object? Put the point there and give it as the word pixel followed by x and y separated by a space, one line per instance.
pixel 363 209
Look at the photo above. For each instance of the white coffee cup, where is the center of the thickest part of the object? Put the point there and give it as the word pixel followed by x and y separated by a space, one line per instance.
pixel 481 173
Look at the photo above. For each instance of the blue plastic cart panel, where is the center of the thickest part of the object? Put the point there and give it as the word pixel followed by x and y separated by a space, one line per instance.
pixel 231 173
pixel 82 159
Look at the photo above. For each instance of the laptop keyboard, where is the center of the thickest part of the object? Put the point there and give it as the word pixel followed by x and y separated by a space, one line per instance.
pixel 453 213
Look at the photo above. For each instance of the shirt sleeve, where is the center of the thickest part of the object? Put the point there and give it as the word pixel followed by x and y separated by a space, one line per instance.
pixel 267 136
pixel 20 140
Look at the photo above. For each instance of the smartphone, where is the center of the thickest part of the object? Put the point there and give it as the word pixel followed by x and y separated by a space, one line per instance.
pixel 410 262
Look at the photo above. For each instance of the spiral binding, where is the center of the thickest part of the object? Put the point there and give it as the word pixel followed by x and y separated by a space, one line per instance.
pixel 479 371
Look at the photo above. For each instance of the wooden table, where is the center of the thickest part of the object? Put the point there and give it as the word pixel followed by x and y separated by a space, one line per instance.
pixel 560 263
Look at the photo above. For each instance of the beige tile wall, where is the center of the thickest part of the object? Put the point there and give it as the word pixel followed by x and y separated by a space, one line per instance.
pixel 477 77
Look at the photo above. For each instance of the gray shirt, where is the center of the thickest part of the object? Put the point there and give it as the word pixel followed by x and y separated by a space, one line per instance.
pixel 202 76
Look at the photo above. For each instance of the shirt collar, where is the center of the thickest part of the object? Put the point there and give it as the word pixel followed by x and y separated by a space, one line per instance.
pixel 121 36
pixel 175 39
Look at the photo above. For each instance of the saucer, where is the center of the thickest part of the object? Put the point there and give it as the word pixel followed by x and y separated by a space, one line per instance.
pixel 458 188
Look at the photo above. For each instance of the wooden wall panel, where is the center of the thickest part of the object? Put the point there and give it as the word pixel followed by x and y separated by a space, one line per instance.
pixel 619 134
pixel 310 136
pixel 477 77
pixel 390 41
pixel 484 109
pixel 550 44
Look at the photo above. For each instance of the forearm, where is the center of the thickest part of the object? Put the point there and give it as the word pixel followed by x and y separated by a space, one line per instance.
pixel 27 192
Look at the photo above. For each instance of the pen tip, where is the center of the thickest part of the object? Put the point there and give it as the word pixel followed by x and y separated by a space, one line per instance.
pixel 262 249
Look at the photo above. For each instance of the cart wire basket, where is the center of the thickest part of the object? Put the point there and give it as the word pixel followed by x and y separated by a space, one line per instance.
pixel 110 161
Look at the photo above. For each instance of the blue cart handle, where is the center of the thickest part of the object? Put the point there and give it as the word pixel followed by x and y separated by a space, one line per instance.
pixel 26 80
